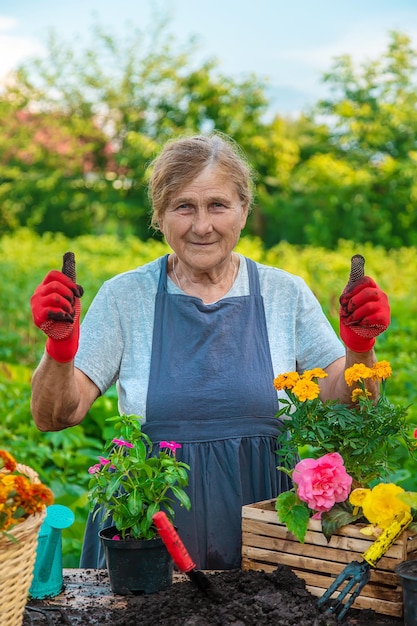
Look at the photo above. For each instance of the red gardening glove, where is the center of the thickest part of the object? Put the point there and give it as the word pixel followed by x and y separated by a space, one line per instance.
pixel 56 310
pixel 364 309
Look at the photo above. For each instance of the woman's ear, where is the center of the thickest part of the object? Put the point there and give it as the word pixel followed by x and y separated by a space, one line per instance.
pixel 245 211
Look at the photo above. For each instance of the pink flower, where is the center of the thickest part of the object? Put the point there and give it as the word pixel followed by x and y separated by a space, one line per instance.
pixel 322 482
pixel 415 434
pixel 172 445
pixel 104 461
pixel 116 538
pixel 122 442
pixel 94 468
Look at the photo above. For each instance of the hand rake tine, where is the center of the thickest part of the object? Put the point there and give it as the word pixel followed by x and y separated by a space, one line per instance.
pixel 338 608
pixel 353 574
pixel 345 608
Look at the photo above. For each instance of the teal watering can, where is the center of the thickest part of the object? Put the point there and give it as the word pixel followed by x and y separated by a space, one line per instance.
pixel 47 576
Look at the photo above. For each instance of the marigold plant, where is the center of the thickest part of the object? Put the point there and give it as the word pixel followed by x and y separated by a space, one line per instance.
pixel 364 434
pixel 348 446
pixel 19 497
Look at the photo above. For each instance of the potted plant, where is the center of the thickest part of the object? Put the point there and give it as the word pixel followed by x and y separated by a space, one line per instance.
pixel 345 477
pixel 344 487
pixel 130 483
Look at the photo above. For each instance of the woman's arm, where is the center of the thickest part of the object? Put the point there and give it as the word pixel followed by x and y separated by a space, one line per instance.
pixel 61 394
pixel 334 387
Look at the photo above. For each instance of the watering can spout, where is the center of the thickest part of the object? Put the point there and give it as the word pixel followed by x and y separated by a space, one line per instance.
pixel 47 577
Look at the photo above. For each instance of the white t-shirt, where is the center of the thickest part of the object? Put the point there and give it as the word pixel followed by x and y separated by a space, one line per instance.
pixel 116 334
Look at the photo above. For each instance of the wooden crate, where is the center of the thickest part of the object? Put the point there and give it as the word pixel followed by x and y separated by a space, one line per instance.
pixel 267 543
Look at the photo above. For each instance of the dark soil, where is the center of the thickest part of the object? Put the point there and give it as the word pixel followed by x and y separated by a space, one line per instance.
pixel 246 598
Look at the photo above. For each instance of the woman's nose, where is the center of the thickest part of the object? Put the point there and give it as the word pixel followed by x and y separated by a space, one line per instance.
pixel 202 222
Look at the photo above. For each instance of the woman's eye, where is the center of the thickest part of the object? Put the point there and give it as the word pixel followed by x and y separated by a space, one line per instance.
pixel 183 208
pixel 218 207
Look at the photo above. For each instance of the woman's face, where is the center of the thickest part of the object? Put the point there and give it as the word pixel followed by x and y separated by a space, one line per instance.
pixel 203 221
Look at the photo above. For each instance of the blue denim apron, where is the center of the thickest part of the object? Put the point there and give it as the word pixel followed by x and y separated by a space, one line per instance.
pixel 211 390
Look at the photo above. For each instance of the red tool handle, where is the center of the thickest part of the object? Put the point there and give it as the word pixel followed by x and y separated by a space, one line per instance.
pixel 173 543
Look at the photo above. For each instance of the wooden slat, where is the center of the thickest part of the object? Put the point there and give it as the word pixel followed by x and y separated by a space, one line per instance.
pixel 340 556
pixel 265 553
pixel 358 543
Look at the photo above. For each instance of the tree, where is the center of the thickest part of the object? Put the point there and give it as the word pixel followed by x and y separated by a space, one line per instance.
pixel 363 187
pixel 90 121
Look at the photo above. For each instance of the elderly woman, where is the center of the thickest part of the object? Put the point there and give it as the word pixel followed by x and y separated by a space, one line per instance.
pixel 193 341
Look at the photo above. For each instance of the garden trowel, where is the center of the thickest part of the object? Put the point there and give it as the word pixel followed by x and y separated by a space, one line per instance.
pixel 181 557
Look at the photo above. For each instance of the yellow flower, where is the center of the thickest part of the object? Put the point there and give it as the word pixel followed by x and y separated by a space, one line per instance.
pixel 317 372
pixel 359 393
pixel 357 372
pixel 380 504
pixel 306 390
pixel 286 381
pixel 357 496
pixel 381 370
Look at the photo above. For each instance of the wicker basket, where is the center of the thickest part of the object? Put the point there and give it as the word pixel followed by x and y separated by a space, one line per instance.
pixel 17 561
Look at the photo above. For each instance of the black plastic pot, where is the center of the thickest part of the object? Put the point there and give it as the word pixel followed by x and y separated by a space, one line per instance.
pixel 407 572
pixel 136 565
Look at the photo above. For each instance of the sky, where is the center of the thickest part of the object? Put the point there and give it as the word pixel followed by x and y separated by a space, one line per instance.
pixel 288 43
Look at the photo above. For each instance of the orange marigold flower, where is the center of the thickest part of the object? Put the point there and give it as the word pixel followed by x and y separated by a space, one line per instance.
pixel 360 393
pixel 286 381
pixel 317 372
pixel 381 370
pixel 19 497
pixel 7 461
pixel 356 373
pixel 306 390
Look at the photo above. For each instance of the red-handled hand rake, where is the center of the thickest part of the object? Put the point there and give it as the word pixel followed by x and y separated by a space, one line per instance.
pixel 357 574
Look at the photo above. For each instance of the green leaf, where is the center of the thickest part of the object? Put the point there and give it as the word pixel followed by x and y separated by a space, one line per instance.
pixel 182 497
pixel 409 497
pixel 293 513
pixel 340 515
pixel 113 485
pixel 134 504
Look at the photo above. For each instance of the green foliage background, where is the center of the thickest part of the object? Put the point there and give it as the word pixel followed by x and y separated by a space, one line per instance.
pixel 62 458
pixel 78 128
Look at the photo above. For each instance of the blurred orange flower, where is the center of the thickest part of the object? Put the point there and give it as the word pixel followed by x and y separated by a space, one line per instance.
pixel 19 497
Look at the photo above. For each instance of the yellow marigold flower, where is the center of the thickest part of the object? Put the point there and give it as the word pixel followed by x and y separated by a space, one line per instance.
pixel 317 372
pixel 306 390
pixel 7 461
pixel 359 393
pixel 381 370
pixel 7 481
pixel 356 373
pixel 380 505
pixel 286 381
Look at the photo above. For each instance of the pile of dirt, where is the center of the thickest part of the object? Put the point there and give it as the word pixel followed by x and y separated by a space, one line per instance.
pixel 243 598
